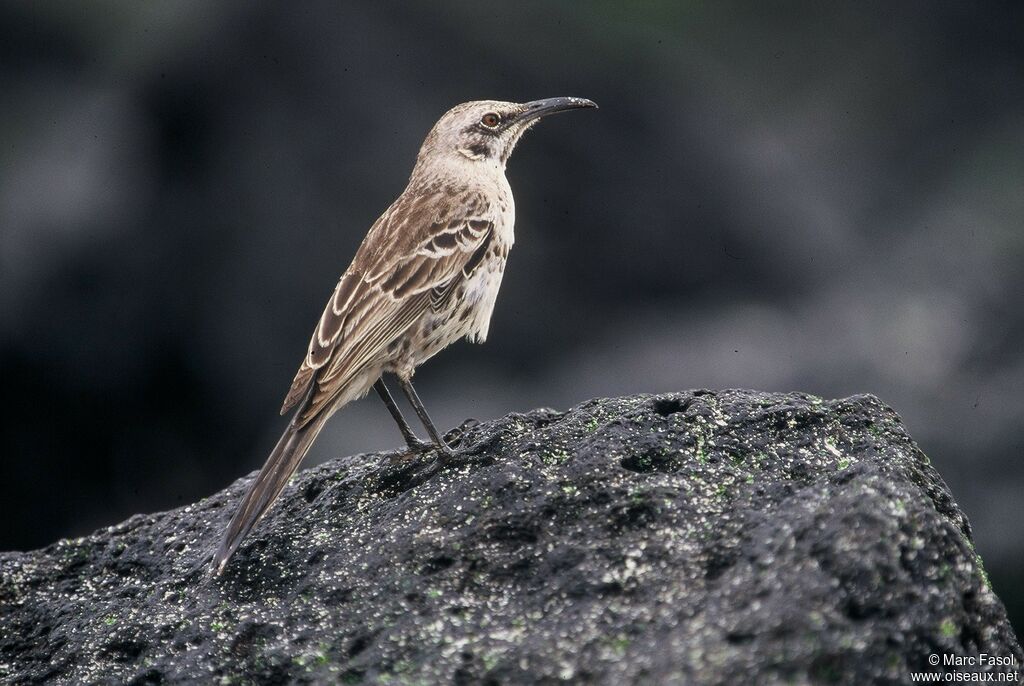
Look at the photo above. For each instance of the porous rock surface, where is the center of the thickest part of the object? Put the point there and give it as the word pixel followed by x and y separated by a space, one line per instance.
pixel 696 537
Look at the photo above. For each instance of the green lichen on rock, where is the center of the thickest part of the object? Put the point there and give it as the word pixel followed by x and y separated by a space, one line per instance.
pixel 695 537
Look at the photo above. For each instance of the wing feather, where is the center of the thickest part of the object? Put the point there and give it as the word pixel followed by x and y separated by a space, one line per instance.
pixel 383 293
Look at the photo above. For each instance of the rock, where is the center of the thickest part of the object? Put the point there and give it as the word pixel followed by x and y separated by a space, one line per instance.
pixel 700 537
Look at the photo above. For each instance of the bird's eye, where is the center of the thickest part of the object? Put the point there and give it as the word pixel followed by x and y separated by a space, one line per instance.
pixel 490 120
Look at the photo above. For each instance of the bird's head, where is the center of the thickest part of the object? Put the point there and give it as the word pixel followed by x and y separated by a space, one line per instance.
pixel 487 130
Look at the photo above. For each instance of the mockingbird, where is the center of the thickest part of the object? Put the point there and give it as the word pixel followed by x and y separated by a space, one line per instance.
pixel 426 274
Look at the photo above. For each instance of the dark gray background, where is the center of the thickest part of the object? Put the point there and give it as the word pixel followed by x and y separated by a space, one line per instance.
pixel 823 197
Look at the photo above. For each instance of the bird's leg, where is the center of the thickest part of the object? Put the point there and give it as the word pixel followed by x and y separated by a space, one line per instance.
pixel 414 443
pixel 421 412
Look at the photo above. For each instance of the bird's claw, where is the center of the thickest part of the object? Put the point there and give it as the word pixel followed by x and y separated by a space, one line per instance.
pixel 419 447
pixel 447 451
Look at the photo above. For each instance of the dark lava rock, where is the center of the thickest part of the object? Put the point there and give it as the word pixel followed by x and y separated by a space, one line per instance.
pixel 729 537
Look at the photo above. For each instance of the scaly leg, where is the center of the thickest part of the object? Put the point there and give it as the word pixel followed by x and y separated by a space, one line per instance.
pixel 421 412
pixel 414 443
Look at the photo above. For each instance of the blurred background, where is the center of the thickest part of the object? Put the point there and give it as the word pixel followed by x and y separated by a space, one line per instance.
pixel 825 197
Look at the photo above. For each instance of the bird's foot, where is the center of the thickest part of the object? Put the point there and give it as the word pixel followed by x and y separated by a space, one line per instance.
pixel 418 447
pixel 413 449
pixel 446 447
pixel 457 435
pixel 446 451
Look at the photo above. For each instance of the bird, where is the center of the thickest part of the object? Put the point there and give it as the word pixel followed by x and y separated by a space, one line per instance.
pixel 426 275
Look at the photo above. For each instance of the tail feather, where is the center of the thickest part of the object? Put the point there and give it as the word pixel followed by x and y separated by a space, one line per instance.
pixel 269 483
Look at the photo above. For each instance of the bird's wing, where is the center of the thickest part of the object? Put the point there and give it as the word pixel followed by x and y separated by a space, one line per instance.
pixel 410 261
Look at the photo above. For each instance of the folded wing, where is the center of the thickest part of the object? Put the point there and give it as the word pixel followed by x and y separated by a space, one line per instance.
pixel 440 240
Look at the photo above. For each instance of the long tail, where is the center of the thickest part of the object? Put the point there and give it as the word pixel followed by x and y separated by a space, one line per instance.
pixel 269 483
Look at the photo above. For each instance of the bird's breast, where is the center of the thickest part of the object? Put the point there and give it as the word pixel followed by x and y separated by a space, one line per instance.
pixel 506 211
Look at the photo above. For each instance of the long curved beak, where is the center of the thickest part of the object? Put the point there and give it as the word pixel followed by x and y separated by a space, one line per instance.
pixel 542 108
